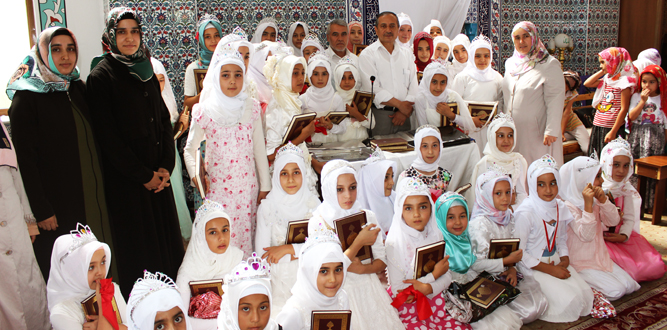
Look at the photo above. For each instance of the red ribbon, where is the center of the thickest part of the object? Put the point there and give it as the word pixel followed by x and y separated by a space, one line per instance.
pixel 320 129
pixel 107 293
pixel 423 307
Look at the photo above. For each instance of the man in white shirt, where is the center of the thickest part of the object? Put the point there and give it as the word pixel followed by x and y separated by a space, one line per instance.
pixel 395 75
pixel 337 36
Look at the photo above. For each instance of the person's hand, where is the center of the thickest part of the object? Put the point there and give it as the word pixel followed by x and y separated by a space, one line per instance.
pixel 559 272
pixel 164 179
pixel 308 130
pixel 91 323
pixel 644 94
pixel 405 107
pixel 615 238
pixel 325 122
pixel 441 267
pixel 207 184
pixel 600 195
pixel 261 196
pixel 511 276
pixel 445 110
pixel 513 258
pixel 33 238
pixel 398 119
pixel 356 267
pixel 564 262
pixel 50 223
pixel 424 288
pixel 368 235
pixel 588 194
pixel 273 254
pixel 564 139
pixel 610 136
pixel 354 112
pixel 154 183
pixel 548 140
pixel 477 121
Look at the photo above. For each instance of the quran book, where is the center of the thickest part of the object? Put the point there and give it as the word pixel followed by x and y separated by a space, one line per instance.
pixel 331 320
pixel 200 175
pixel 337 117
pixel 348 228
pixel 297 231
pixel 444 121
pixel 485 110
pixel 363 101
pixel 358 48
pixel 610 196
pixel 90 307
pixel 179 128
pixel 427 256
pixel 200 74
pixel 297 124
pixel 199 287
pixel 394 144
pixel 484 292
pixel 501 248
pixel 420 75
pixel 462 189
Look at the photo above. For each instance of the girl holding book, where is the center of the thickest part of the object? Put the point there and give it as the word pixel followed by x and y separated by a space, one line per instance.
pixel 376 179
pixel 78 263
pixel 348 80
pixel 627 248
pixel 435 99
pixel 289 200
pixel 427 165
pixel 319 281
pixel 155 304
pixel 451 215
pixel 209 257
pixel 412 227
pixel 322 99
pixel 230 121
pixel 541 224
pixel 363 287
pixel 209 32
pixel 492 218
pixel 593 211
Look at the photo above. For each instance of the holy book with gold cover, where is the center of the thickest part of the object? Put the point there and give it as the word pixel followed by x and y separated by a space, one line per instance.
pixel 331 320
pixel 427 256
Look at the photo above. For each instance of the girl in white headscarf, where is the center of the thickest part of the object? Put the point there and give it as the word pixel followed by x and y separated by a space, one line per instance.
pixel 434 96
pixel 155 304
pixel 289 200
pixel 434 29
pixel 376 180
pixel 267 30
pixel 310 45
pixel 627 248
pixel 460 55
pixel 321 98
pixel 442 49
pixel 256 71
pixel 647 57
pixel 297 32
pixel 347 79
pixel 491 219
pixel 321 261
pixel 209 256
pixel 479 82
pixel 365 292
pixel 231 123
pixel 541 224
pixel 593 212
pixel 502 137
pixel 405 30
pixel 426 166
pixel 78 262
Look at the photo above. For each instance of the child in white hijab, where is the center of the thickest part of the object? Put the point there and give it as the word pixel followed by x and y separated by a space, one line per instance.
pixel 363 287
pixel 434 29
pixel 267 30
pixel 319 281
pixel 247 302
pixel 434 96
pixel 442 49
pixel 347 80
pixel 78 262
pixel 297 32
pixel 255 71
pixel 502 137
pixel 460 45
pixel 376 181
pixel 155 304
pixel 310 46
pixel 289 200
pixel 541 224
pixel 479 82
pixel 405 30
pixel 209 256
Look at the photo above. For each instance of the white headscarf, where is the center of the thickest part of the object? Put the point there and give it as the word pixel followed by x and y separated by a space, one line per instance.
pixel 506 160
pixel 422 132
pixel 435 67
pixel 330 210
pixel 404 19
pixel 256 68
pixel 70 259
pixel 224 110
pixel 311 41
pixel 484 206
pixel 620 147
pixel 533 203
pixel 371 189
pixel 296 51
pixel 443 40
pixel 577 174
pixel 236 39
pixel 471 69
pixel 346 65
pixel 434 22
pixel 278 71
pixel 200 263
pixel 151 294
pixel 647 57
pixel 257 37
pixel 168 92
pixel 460 39
pixel 404 240
pixel 319 100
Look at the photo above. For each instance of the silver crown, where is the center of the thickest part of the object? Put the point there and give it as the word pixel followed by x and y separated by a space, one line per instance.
pixel 238 33
pixel 481 38
pixel 594 155
pixel 289 148
pixel 318 56
pixel 312 37
pixel 591 161
pixel 545 161
pixel 254 267
pixel 347 59
pixel 228 51
pixel 207 17
pixel 319 236
pixel 493 172
pixel 207 207
pixel 447 196
pixel 425 127
pixel 333 165
pixel 147 285
pixel 376 156
pixel 619 142
pixel 501 116
pixel 410 185
pixel 81 236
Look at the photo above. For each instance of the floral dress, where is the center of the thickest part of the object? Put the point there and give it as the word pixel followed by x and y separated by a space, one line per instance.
pixel 230 164
pixel 437 182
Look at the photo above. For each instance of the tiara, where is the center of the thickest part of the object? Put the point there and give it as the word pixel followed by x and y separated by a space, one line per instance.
pixel 81 236
pixel 447 196
pixel 312 37
pixel 591 161
pixel 289 148
pixel 318 56
pixel 318 236
pixel 481 38
pixel 228 51
pixel 376 156
pixel 347 59
pixel 254 267
pixel 333 165
pixel 238 33
pixel 545 161
pixel 501 116
pixel 208 17
pixel 410 186
pixel 427 126
pixel 493 172
pixel 207 207
pixel 618 142
pixel 147 285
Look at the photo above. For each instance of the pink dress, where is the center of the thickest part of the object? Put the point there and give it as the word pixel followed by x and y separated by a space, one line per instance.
pixel 230 163
pixel 439 320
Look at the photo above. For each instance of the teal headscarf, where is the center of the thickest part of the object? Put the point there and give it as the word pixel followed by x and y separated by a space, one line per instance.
pixel 205 54
pixel 458 248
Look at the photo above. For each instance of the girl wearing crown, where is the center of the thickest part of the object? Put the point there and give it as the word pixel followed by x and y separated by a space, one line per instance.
pixel 366 293
pixel 155 304
pixel 79 267
pixel 235 155
pixel 348 80
pixel 479 82
pixel 593 211
pixel 209 32
pixel 541 224
pixel 209 256
pixel 289 200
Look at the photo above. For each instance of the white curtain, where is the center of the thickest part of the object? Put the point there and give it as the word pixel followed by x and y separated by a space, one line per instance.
pixel 451 13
